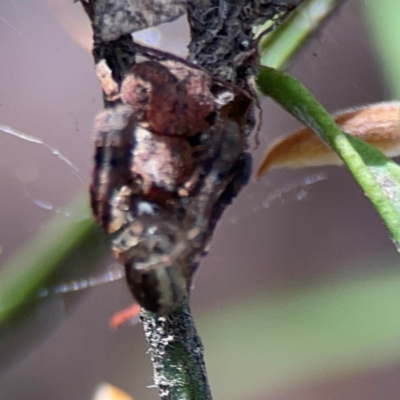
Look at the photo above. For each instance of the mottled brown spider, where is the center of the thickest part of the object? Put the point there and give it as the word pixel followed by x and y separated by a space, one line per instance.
pixel 170 155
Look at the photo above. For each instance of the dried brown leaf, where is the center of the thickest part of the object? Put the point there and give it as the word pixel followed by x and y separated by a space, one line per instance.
pixel 377 124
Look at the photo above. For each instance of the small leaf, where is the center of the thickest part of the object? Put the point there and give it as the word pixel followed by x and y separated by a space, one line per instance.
pixel 377 124
pixel 377 175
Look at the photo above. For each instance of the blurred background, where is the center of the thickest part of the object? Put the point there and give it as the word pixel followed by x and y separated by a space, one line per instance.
pixel 299 296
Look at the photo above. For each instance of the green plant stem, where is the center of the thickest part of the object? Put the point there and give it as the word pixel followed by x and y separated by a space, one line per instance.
pixel 177 355
pixel 378 176
pixel 277 48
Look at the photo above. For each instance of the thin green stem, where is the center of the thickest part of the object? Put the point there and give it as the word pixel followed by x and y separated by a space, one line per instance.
pixel 277 48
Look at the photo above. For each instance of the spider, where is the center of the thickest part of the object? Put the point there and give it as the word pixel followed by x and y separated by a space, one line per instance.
pixel 170 154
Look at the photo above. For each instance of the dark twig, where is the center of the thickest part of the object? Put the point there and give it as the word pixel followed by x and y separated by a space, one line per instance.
pixel 177 355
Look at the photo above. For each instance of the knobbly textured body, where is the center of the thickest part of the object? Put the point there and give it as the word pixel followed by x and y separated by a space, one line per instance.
pixel 171 145
pixel 170 155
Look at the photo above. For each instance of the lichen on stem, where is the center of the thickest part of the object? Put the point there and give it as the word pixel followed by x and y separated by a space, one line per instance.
pixel 176 352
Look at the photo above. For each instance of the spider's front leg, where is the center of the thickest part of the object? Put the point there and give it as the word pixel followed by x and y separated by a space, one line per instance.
pixel 111 172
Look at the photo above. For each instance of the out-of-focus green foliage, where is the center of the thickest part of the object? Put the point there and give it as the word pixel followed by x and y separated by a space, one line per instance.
pixel 383 18
pixel 275 341
pixel 25 273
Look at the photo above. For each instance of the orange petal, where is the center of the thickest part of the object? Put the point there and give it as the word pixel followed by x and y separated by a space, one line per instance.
pixel 377 124
pixel 124 316
pixel 105 391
